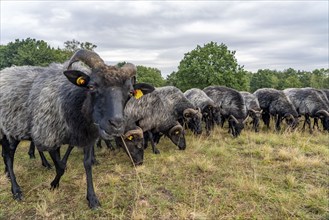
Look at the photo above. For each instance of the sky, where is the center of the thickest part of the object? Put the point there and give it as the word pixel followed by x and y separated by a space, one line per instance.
pixel 265 34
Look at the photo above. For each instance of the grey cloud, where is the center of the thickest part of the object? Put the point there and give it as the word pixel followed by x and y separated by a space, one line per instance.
pixel 270 34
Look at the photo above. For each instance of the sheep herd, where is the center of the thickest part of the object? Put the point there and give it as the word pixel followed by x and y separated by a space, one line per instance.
pixel 78 103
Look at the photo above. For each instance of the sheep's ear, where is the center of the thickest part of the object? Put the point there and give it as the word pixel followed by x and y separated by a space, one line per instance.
pixel 141 89
pixel 77 77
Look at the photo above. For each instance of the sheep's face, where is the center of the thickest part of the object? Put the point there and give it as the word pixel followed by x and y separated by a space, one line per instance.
pixel 133 143
pixel 292 122
pixel 177 136
pixel 108 90
pixel 193 120
pixel 108 105
pixel 216 115
pixel 236 127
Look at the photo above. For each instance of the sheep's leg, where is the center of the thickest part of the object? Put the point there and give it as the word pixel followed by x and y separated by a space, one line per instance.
pixel 316 120
pixel 154 149
pixel 109 145
pixel 255 124
pixel 266 119
pixel 99 143
pixel 44 161
pixel 278 122
pixel 59 165
pixel 32 150
pixel 308 121
pixel 93 158
pixel 146 140
pixel 8 152
pixel 67 154
pixel 88 162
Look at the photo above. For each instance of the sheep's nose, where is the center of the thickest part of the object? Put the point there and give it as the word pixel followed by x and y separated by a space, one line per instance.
pixel 116 122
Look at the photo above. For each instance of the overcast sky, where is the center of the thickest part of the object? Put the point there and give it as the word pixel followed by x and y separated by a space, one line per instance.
pixel 264 34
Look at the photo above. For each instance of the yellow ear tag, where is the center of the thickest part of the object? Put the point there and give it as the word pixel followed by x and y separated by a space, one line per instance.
pixel 130 137
pixel 80 81
pixel 138 93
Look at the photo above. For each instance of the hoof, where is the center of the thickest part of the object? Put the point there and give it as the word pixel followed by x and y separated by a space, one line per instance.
pixel 54 185
pixel 18 196
pixel 93 203
pixel 48 166
pixel 156 151
pixel 95 162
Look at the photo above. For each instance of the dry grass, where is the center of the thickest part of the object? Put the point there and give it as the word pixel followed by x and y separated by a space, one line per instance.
pixel 263 175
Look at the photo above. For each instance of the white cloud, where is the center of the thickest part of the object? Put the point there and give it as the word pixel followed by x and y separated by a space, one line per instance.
pixel 269 34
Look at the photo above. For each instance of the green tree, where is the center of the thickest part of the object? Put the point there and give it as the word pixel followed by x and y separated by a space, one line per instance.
pixel 288 79
pixel 74 45
pixel 29 52
pixel 319 78
pixel 264 78
pixel 211 64
pixel 150 75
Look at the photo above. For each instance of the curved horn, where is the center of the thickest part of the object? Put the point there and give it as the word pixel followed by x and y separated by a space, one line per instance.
pixel 199 113
pixel 189 111
pixel 322 113
pixel 130 69
pixel 138 131
pixel 175 128
pixel 288 116
pixel 252 110
pixel 245 120
pixel 88 57
pixel 234 118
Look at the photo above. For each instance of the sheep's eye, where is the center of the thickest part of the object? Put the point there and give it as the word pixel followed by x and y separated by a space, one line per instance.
pixel 177 132
pixel 80 81
pixel 130 137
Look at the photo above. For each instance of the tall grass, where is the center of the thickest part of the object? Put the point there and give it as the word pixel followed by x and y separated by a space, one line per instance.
pixel 265 175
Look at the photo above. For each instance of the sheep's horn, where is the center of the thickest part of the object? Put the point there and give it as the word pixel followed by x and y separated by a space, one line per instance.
pixel 175 128
pixel 288 116
pixel 88 57
pixel 138 131
pixel 234 118
pixel 322 113
pixel 189 111
pixel 245 120
pixel 130 69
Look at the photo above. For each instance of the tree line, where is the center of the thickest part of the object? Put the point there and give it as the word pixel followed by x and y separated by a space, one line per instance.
pixel 210 64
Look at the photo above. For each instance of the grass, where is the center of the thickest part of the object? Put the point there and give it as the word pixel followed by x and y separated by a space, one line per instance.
pixel 265 175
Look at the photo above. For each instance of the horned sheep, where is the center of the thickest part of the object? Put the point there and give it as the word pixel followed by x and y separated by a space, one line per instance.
pixel 39 103
pixel 276 103
pixel 232 106
pixel 209 110
pixel 310 102
pixel 253 108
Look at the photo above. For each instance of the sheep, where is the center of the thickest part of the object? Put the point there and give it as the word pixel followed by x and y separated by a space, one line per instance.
pixel 153 116
pixel 186 112
pixel 232 107
pixel 210 112
pixel 254 111
pixel 51 108
pixel 310 102
pixel 275 102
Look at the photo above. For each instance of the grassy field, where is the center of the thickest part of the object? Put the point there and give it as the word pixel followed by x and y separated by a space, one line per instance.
pixel 263 175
